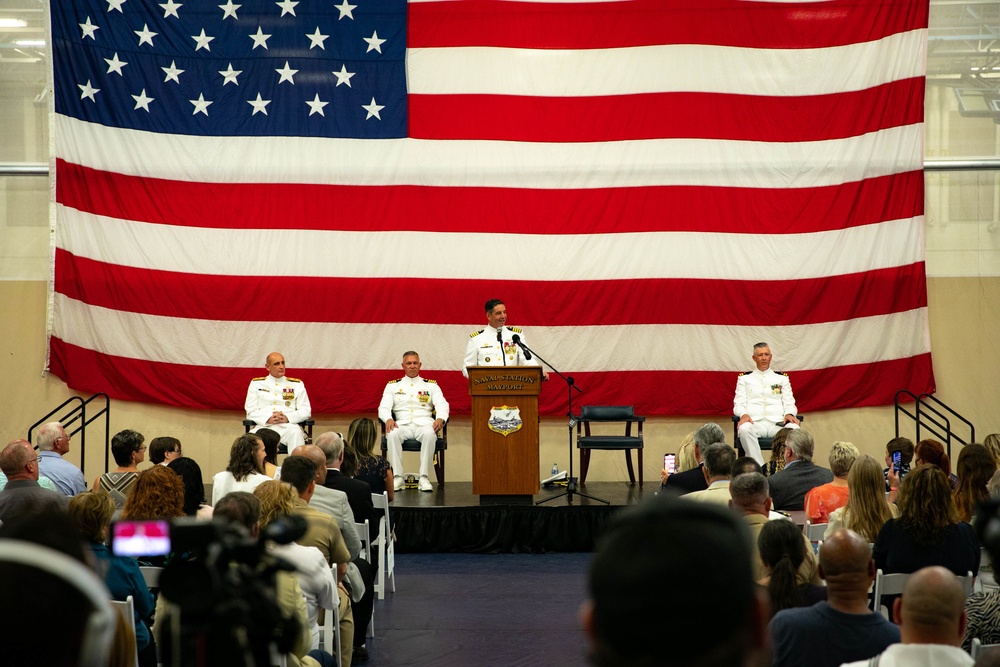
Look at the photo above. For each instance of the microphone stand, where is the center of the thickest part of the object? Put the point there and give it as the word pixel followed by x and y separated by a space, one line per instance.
pixel 571 486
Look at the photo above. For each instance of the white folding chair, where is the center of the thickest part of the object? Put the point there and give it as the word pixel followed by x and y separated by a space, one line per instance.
pixel 151 575
pixel 127 609
pixel 968 583
pixel 814 531
pixel 978 648
pixel 366 553
pixel 386 550
pixel 329 634
pixel 887 584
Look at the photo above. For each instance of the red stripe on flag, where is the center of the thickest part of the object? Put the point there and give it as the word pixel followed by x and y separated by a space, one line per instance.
pixel 475 209
pixel 557 303
pixel 359 391
pixel 649 22
pixel 667 115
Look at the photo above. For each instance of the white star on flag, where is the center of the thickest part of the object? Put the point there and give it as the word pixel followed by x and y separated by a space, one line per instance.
pixel 202 40
pixel 229 9
pixel 141 101
pixel 260 39
pixel 287 7
pixel 317 39
pixel 116 5
pixel 200 104
pixel 343 76
pixel 287 73
pixel 316 106
pixel 374 43
pixel 230 74
pixel 172 72
pixel 373 109
pixel 115 65
pixel 170 9
pixel 345 10
pixel 86 90
pixel 259 105
pixel 88 29
pixel 145 35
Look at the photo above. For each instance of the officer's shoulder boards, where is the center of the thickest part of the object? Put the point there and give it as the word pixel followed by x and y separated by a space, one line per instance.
pixel 431 381
pixel 393 381
pixel 747 373
pixel 259 379
pixel 476 333
pixel 293 379
pixel 780 373
pixel 515 329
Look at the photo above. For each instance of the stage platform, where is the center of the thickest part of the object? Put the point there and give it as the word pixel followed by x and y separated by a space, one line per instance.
pixel 451 519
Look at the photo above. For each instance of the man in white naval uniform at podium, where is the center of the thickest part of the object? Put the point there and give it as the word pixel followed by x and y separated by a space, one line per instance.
pixel 764 403
pixel 412 408
pixel 278 403
pixel 486 349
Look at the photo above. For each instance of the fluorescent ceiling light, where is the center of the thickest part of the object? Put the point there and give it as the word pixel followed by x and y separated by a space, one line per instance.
pixel 30 42
pixel 13 23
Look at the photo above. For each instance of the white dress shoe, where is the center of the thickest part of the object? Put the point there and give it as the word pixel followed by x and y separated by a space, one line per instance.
pixel 425 484
pixel 397 483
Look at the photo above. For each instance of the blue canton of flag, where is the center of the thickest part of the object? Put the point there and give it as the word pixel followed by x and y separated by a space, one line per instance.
pixel 260 68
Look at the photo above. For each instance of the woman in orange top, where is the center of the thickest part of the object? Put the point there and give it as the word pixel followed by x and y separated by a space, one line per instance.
pixel 824 499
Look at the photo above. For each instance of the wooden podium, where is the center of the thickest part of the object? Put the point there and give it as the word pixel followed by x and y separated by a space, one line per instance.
pixel 505 431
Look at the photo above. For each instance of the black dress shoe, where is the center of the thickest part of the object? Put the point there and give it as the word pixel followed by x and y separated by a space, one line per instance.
pixel 359 655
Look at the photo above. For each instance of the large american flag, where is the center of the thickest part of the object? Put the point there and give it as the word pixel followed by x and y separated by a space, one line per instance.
pixel 651 186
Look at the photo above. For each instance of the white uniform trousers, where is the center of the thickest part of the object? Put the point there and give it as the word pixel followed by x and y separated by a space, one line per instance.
pixel 750 433
pixel 291 434
pixel 394 443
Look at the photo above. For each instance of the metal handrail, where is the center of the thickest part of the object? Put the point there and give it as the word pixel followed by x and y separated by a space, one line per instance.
pixel 79 414
pixel 924 417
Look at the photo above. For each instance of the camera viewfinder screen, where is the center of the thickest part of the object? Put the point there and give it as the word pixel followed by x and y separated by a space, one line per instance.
pixel 141 538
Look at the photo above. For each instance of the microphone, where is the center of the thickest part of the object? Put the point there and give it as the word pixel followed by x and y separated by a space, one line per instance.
pixel 500 336
pixel 503 352
pixel 517 341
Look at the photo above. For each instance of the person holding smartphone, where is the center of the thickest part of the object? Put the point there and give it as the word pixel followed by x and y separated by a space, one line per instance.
pixel 898 456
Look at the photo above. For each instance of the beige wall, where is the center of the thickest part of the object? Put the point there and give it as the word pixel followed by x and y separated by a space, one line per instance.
pixel 965 335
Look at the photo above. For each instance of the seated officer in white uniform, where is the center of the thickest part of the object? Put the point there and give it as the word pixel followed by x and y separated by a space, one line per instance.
pixel 278 403
pixel 486 349
pixel 763 402
pixel 420 411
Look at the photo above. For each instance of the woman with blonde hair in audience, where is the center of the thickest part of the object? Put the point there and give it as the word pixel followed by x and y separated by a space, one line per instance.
pixel 866 510
pixel 927 531
pixel 91 512
pixel 372 468
pixel 992 443
pixel 777 462
pixel 975 468
pixel 824 499
pixel 782 551
pixel 316 578
pixel 245 470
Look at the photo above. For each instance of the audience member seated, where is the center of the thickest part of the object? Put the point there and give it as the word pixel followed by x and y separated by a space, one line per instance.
pixel 271 440
pixel 927 531
pixel 53 445
pixel 128 452
pixel 697 553
pixel 164 449
pixel 194 487
pixel 686 459
pixel 693 480
pixel 975 468
pixel 983 611
pixel 332 502
pixel 245 470
pixel 746 464
pixel 79 633
pixel 789 487
pixel 158 493
pixel 842 628
pixel 866 510
pixel 783 553
pixel 349 466
pixel 992 443
pixel 905 448
pixel 931 621
pixel 243 509
pixel 23 496
pixel 92 512
pixel 932 452
pixel 314 574
pixel 324 533
pixel 822 500
pixel 359 494
pixel 752 500
pixel 372 468
pixel 718 468
pixel 777 461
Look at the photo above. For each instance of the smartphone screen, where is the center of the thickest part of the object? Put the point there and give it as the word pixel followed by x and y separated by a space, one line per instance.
pixel 140 538
pixel 897 460
pixel 670 463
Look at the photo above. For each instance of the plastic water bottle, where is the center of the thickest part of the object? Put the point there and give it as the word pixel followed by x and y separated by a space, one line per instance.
pixel 555 469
